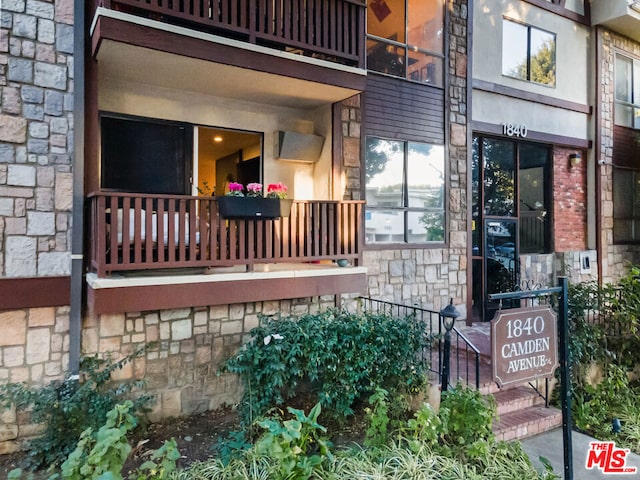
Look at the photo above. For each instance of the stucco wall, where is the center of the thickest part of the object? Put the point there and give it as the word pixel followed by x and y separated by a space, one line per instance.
pixel 200 109
pixel 572 70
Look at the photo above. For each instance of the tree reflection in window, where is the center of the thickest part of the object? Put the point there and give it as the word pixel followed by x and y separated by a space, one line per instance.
pixel 528 53
pixel 404 192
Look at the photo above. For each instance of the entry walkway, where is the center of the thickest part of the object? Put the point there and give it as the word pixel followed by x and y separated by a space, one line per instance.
pixel 550 446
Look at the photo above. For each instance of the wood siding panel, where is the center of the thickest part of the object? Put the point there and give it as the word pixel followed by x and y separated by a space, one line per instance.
pixel 34 292
pixel 159 297
pixel 399 109
pixel 626 147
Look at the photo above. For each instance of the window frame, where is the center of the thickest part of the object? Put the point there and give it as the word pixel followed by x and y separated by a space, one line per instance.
pixel 517 214
pixel 634 104
pixel 529 56
pixel 407 47
pixel 635 194
pixel 183 153
pixel 404 207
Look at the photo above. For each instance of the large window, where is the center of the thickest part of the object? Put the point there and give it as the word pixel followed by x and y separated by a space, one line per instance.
pixel 405 39
pixel 627 109
pixel 528 53
pixel 404 192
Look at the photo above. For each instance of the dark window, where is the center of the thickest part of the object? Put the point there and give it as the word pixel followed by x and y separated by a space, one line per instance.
pixel 528 53
pixel 627 105
pixel 626 205
pixel 503 171
pixel 145 156
pixel 404 192
pixel 405 39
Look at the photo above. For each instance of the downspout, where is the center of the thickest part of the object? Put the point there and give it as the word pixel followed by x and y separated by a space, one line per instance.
pixel 77 258
pixel 598 152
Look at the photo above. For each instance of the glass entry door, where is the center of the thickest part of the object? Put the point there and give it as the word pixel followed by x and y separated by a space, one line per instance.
pixel 510 200
pixel 500 261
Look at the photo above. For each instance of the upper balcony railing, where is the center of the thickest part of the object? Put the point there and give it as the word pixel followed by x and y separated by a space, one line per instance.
pixel 147 232
pixel 330 29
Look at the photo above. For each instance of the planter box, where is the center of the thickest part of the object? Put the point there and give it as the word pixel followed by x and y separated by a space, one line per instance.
pixel 253 208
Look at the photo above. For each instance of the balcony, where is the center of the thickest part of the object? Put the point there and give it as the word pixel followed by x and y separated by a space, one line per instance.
pixel 332 30
pixel 135 232
pixel 621 16
pixel 167 251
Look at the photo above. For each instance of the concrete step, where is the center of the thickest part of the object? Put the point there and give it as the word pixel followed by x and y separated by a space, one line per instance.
pixel 527 422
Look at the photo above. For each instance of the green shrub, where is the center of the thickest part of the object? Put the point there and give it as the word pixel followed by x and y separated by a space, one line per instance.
pixel 377 433
pixel 342 357
pixel 68 407
pixel 297 445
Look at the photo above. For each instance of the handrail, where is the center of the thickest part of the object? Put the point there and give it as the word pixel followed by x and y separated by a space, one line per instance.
pixel 334 29
pixel 132 231
pixel 430 353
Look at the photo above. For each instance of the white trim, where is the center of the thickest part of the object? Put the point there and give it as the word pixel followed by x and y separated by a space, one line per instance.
pixel 126 17
pixel 306 271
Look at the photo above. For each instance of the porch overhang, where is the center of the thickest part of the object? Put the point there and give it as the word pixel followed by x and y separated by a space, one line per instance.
pixel 126 294
pixel 621 16
pixel 146 51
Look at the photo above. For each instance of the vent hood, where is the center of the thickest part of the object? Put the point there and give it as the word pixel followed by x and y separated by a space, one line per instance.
pixel 298 147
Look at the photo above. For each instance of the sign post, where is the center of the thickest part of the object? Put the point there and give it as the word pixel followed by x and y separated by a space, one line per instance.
pixel 529 338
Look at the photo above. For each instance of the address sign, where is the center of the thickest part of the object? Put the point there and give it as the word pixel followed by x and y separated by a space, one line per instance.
pixel 524 344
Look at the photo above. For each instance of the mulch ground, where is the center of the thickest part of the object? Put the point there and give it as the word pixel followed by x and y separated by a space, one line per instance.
pixel 197 435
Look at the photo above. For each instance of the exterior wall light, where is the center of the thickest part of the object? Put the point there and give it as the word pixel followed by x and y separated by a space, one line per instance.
pixel 575 159
pixel 449 315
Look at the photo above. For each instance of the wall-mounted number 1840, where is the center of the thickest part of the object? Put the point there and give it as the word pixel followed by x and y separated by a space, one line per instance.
pixel 514 130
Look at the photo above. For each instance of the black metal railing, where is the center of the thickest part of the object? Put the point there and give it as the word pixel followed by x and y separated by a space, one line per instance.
pixel 465 357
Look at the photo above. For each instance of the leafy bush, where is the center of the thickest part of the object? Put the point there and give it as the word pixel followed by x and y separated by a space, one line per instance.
pixel 377 434
pixel 67 407
pixel 467 417
pixel 296 445
pixel 612 346
pixel 343 357
pixel 102 454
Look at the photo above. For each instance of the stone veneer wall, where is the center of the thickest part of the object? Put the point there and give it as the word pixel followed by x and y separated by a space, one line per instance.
pixel 616 258
pixel 181 369
pixel 36 128
pixel 34 348
pixel 36 121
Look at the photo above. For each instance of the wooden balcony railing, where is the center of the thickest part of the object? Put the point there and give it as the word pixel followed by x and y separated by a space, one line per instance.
pixel 146 232
pixel 331 29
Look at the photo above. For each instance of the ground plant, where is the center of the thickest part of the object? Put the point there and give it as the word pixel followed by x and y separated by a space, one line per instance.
pixel 336 357
pixel 428 446
pixel 102 454
pixel 605 358
pixel 67 407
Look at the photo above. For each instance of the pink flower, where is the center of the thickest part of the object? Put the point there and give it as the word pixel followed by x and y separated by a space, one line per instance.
pixel 254 190
pixel 277 190
pixel 235 189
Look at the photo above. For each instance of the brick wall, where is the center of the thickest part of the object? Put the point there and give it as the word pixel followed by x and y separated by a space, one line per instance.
pixel 569 201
